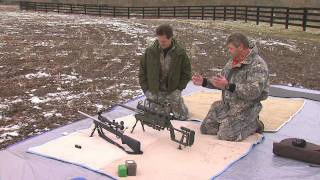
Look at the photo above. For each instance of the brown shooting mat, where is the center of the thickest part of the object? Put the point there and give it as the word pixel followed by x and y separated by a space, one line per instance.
pixel 208 157
pixel 276 112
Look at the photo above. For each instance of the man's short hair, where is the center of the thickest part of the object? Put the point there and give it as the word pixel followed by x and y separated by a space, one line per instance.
pixel 164 29
pixel 237 39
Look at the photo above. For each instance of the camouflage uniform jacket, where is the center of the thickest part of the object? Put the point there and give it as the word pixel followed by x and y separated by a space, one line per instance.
pixel 251 80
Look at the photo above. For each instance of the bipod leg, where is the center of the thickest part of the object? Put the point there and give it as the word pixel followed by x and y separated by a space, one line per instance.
pixel 94 129
pixel 134 126
pixel 142 125
pixel 181 141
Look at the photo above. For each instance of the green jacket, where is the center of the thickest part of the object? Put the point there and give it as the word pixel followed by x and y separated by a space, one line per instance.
pixel 149 72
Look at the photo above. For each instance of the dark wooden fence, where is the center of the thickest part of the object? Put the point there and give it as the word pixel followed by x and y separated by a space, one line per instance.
pixel 303 17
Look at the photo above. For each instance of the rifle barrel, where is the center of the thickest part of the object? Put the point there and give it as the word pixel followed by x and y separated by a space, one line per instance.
pixel 131 108
pixel 88 116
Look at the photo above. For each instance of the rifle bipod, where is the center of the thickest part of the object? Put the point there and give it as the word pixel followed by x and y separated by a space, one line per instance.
pixel 160 120
pixel 135 124
pixel 187 136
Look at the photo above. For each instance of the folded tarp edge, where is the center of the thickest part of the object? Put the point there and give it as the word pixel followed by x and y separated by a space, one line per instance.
pixel 73 163
pixel 242 156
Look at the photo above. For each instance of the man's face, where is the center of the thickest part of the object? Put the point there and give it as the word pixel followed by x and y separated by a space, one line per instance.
pixel 164 42
pixel 233 50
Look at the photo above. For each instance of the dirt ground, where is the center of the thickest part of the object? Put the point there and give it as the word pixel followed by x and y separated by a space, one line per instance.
pixel 52 65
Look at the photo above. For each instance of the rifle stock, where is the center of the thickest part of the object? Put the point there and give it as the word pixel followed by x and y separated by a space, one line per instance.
pixel 132 143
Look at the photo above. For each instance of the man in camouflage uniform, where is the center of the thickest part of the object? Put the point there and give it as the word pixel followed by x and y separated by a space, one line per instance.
pixel 244 82
pixel 165 71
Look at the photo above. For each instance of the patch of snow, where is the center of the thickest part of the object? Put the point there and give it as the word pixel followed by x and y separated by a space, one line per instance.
pixel 116 60
pixel 13 134
pixel 292 47
pixel 128 92
pixel 63 93
pixel 48 114
pixel 62 53
pixel 121 44
pixel 77 96
pixel 37 100
pixel 214 39
pixel 37 107
pixel 51 114
pixel 68 77
pixel 3 106
pixel 46 129
pixel 197 43
pixel 98 106
pixel 42 44
pixel 37 75
pixel 86 80
pixel 58 114
pixel 111 87
pixel 150 40
pixel 10 128
pixel 16 101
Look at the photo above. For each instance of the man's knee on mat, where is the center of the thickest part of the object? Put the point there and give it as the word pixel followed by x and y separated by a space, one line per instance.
pixel 234 131
pixel 229 136
pixel 222 134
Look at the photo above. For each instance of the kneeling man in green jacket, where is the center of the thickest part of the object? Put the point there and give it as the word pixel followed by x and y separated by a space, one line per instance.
pixel 165 71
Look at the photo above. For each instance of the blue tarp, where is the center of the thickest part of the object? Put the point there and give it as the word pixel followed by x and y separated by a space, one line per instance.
pixel 260 163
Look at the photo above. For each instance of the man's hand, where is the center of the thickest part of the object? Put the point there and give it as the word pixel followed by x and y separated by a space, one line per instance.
pixel 197 80
pixel 219 81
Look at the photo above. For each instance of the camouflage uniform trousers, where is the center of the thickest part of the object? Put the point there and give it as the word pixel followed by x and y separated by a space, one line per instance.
pixel 178 106
pixel 230 127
